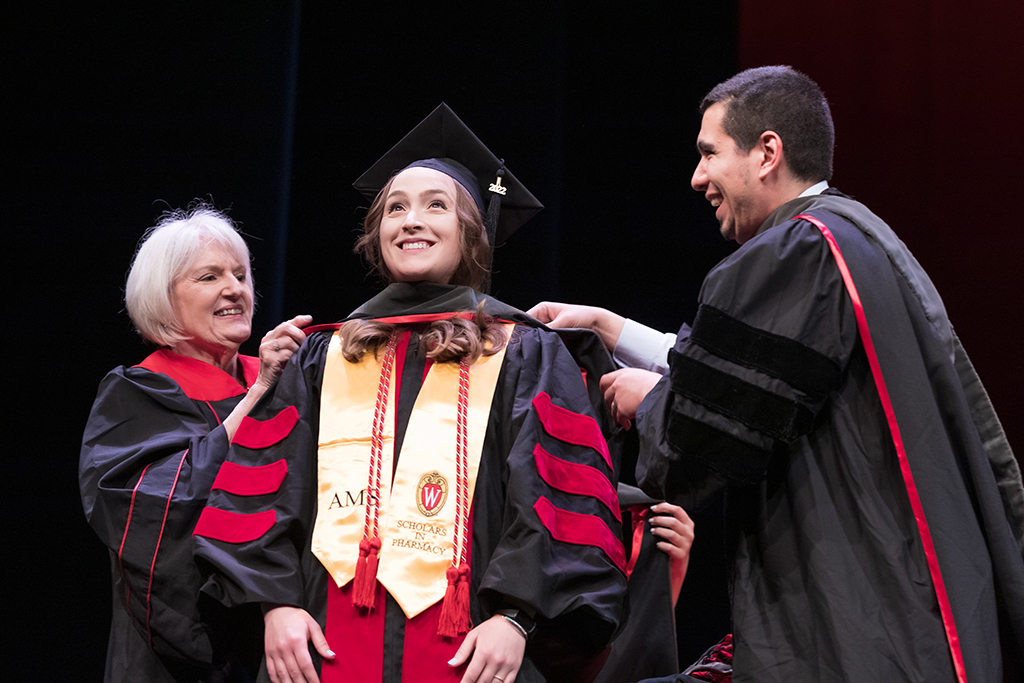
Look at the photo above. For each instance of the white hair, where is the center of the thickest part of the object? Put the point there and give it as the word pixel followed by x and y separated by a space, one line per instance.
pixel 166 252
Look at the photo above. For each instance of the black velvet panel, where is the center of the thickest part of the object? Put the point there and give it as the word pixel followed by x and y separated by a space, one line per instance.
pixel 779 417
pixel 800 366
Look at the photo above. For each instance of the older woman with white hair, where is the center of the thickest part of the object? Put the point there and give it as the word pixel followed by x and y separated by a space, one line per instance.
pixel 156 438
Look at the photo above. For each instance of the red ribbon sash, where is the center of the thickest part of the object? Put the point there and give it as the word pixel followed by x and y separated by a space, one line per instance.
pixel 908 478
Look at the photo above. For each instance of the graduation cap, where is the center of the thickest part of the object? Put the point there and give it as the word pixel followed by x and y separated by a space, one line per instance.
pixel 444 143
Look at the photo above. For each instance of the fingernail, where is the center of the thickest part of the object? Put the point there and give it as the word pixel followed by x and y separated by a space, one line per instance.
pixel 451 662
pixel 330 653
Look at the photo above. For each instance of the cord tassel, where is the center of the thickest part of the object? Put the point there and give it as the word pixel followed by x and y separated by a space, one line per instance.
pixel 446 626
pixel 360 577
pixel 364 585
pixel 462 620
pixel 454 618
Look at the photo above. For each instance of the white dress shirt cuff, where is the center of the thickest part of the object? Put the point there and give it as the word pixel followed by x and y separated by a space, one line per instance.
pixel 640 346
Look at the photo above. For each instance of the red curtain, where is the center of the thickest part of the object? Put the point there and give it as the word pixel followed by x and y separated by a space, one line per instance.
pixel 927 99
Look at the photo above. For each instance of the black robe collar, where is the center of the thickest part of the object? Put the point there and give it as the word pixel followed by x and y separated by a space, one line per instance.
pixel 426 298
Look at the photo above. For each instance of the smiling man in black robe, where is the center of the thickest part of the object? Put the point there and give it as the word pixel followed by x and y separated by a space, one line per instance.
pixel 873 501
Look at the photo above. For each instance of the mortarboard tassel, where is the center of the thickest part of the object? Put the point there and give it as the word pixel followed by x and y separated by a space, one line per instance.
pixel 494 206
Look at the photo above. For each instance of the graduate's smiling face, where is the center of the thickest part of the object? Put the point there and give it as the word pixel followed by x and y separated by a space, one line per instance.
pixel 213 303
pixel 419 230
pixel 728 177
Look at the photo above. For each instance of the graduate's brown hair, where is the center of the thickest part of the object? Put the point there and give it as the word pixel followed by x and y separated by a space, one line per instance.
pixel 442 341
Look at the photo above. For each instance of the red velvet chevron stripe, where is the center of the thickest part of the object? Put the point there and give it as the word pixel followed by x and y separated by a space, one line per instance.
pixel 233 527
pixel 257 434
pixel 580 529
pixel 250 481
pixel 570 427
pixel 945 609
pixel 572 477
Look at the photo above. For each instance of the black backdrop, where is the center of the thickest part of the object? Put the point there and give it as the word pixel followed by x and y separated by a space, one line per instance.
pixel 270 109
pixel 115 111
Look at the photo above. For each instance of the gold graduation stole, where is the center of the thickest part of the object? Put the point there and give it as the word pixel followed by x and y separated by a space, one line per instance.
pixel 419 527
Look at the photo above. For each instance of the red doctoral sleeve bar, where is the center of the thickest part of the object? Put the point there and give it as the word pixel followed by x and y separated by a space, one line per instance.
pixel 580 529
pixel 571 477
pixel 258 434
pixel 570 427
pixel 233 527
pixel 251 481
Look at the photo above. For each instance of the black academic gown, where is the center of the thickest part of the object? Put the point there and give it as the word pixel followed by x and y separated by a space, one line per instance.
pixel 576 589
pixel 646 646
pixel 770 398
pixel 151 449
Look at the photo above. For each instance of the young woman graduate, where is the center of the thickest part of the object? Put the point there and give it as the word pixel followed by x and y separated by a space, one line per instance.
pixel 426 495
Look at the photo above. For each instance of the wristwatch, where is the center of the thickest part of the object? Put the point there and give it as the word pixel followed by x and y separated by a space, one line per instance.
pixel 521 619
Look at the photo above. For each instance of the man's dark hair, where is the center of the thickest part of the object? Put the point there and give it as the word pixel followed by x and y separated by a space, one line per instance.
pixel 780 99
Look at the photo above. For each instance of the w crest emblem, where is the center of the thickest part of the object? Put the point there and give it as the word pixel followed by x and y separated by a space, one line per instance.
pixel 431 493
